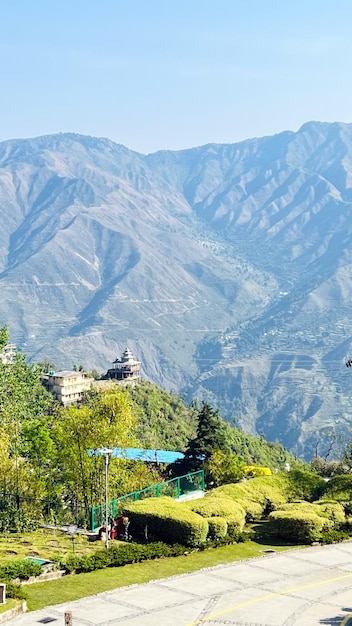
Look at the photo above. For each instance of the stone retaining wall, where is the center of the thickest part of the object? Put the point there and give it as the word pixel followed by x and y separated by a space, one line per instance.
pixel 7 615
pixel 42 578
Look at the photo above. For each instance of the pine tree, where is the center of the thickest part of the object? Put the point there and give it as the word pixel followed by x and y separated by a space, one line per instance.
pixel 211 435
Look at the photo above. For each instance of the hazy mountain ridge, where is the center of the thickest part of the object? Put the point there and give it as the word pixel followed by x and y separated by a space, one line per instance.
pixel 226 268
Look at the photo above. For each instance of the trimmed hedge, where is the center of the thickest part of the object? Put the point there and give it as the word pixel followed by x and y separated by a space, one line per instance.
pixel 333 510
pixel 234 528
pixel 120 555
pixel 258 496
pixel 337 488
pixel 217 507
pixel 166 520
pixel 333 536
pixel 330 510
pixel 298 524
pixel 304 485
pixel 217 528
pixel 253 510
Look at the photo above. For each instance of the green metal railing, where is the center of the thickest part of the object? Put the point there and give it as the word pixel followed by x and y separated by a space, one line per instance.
pixel 174 488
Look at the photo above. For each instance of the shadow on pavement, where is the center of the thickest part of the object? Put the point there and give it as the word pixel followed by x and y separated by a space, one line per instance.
pixel 338 620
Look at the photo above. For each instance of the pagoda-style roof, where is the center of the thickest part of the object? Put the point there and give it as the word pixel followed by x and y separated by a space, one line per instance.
pixel 127 357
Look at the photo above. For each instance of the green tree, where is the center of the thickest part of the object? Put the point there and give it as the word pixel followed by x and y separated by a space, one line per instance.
pixel 4 337
pixel 211 435
pixel 107 421
pixel 224 468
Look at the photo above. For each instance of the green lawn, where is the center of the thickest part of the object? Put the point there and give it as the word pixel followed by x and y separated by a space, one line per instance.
pixel 49 544
pixel 43 543
pixel 10 604
pixel 74 587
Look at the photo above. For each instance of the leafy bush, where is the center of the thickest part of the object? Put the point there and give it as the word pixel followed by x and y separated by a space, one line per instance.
pixel 304 484
pixel 252 508
pixel 330 510
pixel 333 536
pixel 166 520
pixel 337 488
pixel 256 470
pixel 120 555
pixel 14 590
pixel 333 510
pixel 231 511
pixel 298 525
pixel 21 568
pixel 347 526
pixel 217 507
pixel 13 519
pixel 217 528
pixel 258 496
pixel 128 553
pixel 234 525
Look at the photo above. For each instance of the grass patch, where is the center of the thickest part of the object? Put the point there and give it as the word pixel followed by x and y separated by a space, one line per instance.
pixel 11 603
pixel 43 543
pixel 79 586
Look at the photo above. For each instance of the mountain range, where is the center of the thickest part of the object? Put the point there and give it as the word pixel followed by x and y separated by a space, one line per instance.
pixel 225 268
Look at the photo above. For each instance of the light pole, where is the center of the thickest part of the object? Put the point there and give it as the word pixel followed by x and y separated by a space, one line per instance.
pixel 106 452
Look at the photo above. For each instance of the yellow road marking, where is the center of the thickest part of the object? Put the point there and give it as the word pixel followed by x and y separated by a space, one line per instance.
pixel 269 595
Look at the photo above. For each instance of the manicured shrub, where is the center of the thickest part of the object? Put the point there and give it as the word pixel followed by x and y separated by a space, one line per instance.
pixel 258 496
pixel 333 510
pixel 234 525
pixel 216 507
pixel 270 491
pixel 337 488
pixel 347 526
pixel 333 536
pixel 71 564
pixel 119 555
pixel 166 520
pixel 217 528
pixel 304 484
pixel 330 510
pixel 252 508
pixel 298 525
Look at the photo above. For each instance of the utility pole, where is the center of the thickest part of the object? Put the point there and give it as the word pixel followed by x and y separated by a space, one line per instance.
pixel 106 452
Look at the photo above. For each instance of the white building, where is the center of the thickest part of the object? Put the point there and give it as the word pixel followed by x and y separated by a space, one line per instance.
pixel 126 368
pixel 67 386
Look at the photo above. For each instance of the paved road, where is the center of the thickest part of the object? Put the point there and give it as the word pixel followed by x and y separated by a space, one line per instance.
pixel 307 587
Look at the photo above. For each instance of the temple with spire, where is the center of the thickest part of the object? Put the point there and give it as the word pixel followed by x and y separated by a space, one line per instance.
pixel 125 369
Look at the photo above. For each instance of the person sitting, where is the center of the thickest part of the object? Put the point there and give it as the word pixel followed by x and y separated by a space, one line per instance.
pixel 102 533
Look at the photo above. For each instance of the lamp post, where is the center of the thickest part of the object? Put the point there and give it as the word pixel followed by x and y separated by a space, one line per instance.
pixel 106 452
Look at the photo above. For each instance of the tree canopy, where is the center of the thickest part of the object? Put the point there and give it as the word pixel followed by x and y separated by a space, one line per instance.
pixel 45 469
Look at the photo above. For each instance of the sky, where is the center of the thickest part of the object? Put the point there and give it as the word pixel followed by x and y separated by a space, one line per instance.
pixel 173 74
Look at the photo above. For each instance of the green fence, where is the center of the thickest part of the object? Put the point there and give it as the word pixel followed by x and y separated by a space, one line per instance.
pixel 174 488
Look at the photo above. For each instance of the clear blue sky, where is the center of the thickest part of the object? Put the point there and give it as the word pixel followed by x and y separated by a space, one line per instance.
pixel 154 74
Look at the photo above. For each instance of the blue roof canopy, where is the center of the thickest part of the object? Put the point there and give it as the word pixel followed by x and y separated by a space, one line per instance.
pixel 140 454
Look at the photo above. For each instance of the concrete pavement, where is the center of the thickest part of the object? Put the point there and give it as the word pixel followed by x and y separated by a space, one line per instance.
pixel 305 587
